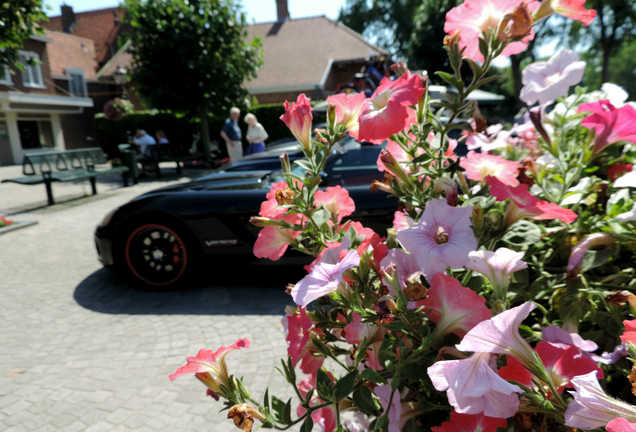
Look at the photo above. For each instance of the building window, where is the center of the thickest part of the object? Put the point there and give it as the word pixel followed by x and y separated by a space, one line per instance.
pixel 32 73
pixel 5 75
pixel 76 82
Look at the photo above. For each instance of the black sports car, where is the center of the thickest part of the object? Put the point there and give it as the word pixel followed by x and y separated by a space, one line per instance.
pixel 159 238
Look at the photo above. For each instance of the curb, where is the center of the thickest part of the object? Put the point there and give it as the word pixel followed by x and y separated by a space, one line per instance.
pixel 16 226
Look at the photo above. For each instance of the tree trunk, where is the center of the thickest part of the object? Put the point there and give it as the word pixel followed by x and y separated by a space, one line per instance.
pixel 605 71
pixel 515 66
pixel 205 132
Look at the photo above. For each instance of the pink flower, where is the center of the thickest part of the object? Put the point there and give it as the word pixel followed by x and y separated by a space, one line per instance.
pixel 526 205
pixel 630 332
pixel 620 425
pixel 404 264
pixel 561 338
pixel 326 275
pixel 298 119
pixel 478 166
pixel 273 241
pixel 442 238
pixel 573 9
pixel 493 138
pixel 497 266
pixel 578 252
pixel 592 408
pixel 478 18
pixel 402 221
pixel 473 387
pixel 455 308
pixel 500 335
pixel 270 208
pixel 356 331
pixel 324 417
pixel 395 411
pixel 336 200
pixel 544 81
pixel 387 111
pixel 348 107
pixel 299 328
pixel 210 368
pixel 610 124
pixel 565 363
pixel 470 423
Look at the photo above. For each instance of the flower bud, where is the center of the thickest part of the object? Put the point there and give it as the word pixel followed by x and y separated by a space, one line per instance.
pixel 285 196
pixel 243 416
pixel 452 40
pixel 515 25
pixel 285 163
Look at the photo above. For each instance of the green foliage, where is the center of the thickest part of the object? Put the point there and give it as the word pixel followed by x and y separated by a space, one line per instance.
pixel 19 20
pixel 190 54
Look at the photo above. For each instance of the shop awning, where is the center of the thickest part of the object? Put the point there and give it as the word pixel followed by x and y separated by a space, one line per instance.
pixel 43 103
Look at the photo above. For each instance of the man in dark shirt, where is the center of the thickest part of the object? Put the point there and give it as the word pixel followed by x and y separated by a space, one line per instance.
pixel 231 134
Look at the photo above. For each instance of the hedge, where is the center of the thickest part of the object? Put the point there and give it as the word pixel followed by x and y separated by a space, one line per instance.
pixel 180 129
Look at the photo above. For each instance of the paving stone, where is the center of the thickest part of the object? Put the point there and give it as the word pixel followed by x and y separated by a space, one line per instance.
pixel 81 351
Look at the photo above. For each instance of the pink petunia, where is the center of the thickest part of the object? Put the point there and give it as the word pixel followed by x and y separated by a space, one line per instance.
pixel 620 425
pixel 473 387
pixel 611 124
pixel 298 118
pixel 209 366
pixel 348 107
pixel 593 408
pixel 573 9
pixel 470 423
pixel 561 338
pixel 324 417
pixel 356 331
pixel 497 266
pixel 545 81
pixel 629 335
pixel 500 335
pixel 578 252
pixel 273 241
pixel 384 393
pixel 270 208
pixel 326 275
pixel 526 205
pixel 455 308
pixel 478 166
pixel 336 200
pixel 442 238
pixel 402 221
pixel 404 265
pixel 565 363
pixel 476 19
pixel 387 111
pixel 299 328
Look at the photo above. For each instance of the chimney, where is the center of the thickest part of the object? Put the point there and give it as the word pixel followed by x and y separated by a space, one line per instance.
pixel 68 18
pixel 282 9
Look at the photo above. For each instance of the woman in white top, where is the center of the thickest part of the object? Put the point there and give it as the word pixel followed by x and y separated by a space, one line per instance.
pixel 256 134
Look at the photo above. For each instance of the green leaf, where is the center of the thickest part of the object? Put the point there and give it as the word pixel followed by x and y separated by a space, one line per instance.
pixel 363 399
pixel 344 386
pixel 308 424
pixel 321 216
pixel 372 375
pixel 450 79
pixel 522 234
pixel 324 385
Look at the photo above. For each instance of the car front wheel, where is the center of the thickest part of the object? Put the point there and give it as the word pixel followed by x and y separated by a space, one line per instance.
pixel 157 255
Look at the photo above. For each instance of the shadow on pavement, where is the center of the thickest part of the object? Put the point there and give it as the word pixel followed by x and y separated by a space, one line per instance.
pixel 248 290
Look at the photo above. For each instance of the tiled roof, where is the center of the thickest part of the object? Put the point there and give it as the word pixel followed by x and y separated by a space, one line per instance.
pixel 121 58
pixel 70 51
pixel 297 53
pixel 98 25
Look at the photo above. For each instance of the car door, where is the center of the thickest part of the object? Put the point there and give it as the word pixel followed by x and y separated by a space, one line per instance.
pixel 354 168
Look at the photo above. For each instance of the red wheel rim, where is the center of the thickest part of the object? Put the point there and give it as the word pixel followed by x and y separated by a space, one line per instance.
pixel 156 255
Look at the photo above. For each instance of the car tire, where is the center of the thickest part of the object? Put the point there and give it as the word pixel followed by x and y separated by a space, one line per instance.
pixel 157 255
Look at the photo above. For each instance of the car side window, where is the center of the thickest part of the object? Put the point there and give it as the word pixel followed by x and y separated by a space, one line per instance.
pixel 364 158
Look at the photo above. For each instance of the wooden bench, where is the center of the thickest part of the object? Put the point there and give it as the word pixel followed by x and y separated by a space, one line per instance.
pixel 46 167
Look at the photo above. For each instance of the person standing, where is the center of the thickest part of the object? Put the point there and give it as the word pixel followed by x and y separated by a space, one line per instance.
pixel 256 135
pixel 231 134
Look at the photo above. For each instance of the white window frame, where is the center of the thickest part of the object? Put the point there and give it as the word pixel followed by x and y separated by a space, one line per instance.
pixel 6 77
pixel 76 71
pixel 29 78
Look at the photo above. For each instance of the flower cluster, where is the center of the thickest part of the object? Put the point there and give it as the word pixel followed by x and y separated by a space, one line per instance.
pixel 476 307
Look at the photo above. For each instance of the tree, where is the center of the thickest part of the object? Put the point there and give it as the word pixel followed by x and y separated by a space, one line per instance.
pixel 19 20
pixel 614 26
pixel 411 29
pixel 191 56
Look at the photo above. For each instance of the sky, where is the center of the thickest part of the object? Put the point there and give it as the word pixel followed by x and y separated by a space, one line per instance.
pixel 256 10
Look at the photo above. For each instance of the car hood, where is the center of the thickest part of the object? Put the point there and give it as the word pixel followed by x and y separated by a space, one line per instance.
pixel 231 180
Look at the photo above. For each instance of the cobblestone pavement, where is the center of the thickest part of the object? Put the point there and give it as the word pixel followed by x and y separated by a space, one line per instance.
pixel 81 351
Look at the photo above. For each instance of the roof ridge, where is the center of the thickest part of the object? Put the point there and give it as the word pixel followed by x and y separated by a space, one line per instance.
pixel 357 35
pixel 290 19
pixel 90 11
